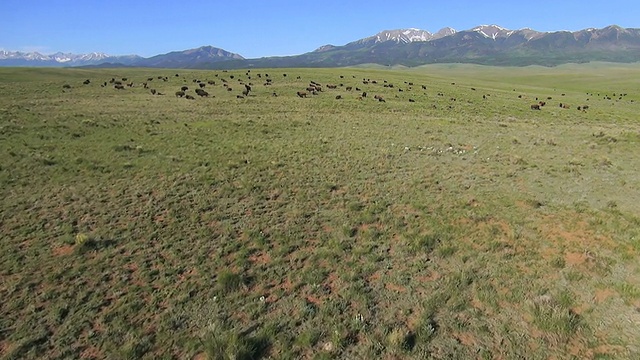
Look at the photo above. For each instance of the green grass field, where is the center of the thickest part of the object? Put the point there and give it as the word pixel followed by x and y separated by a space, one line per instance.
pixel 462 225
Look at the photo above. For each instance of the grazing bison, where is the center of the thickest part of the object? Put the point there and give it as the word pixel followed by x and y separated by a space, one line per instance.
pixel 424 87
pixel 184 88
pixel 118 86
pixel 411 100
pixel 535 107
pixel 239 97
pixel 153 91
pixel 301 94
pixel 189 97
pixel 86 82
pixel 349 88
pixel 364 94
pixel 202 93
pixel 179 93
pixel 229 89
pixel 338 97
pixel 202 85
pixel 66 86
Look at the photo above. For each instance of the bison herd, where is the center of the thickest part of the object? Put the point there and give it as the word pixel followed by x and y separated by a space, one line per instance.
pixel 245 87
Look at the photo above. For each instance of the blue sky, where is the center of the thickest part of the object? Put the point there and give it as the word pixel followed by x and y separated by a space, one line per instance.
pixel 269 28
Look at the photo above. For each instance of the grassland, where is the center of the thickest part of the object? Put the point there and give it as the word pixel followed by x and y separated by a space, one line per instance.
pixel 461 225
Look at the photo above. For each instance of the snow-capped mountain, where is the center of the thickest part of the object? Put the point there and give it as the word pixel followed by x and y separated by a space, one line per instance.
pixel 57 57
pixel 444 32
pixel 492 31
pixel 400 36
pixel 19 58
pixel 484 44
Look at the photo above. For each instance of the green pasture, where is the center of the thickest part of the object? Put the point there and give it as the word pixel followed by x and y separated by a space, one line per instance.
pixel 459 225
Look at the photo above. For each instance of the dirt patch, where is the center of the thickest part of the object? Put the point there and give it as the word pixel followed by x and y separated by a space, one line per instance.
pixel 396 288
pixel 91 352
pixel 200 356
pixel 575 259
pixel 261 258
pixel 603 294
pixel 63 250
pixel 314 300
pixel 466 339
pixel 428 278
pixel 5 347
pixel 573 231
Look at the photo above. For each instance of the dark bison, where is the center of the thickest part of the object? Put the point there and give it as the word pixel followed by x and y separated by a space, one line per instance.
pixel 202 85
pixel 301 94
pixel 153 91
pixel 118 86
pixel 184 88
pixel 66 86
pixel 189 97
pixel 86 82
pixel 179 93
pixel 338 97
pixel 202 93
pixel 535 107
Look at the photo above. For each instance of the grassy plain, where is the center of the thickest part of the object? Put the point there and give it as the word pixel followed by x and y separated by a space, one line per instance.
pixel 461 225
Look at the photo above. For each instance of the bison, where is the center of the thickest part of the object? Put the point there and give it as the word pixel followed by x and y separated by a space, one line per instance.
pixel 535 107
pixel 301 94
pixel 189 97
pixel 202 93
pixel 179 93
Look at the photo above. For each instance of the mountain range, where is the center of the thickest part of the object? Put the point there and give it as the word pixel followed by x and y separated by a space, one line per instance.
pixel 485 44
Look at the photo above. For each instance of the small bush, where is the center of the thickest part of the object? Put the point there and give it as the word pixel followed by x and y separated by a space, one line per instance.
pixel 229 281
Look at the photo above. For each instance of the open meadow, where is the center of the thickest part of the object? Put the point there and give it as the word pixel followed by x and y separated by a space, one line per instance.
pixel 449 221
